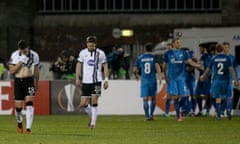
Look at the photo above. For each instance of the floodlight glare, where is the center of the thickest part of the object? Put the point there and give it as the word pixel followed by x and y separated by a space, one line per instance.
pixel 127 33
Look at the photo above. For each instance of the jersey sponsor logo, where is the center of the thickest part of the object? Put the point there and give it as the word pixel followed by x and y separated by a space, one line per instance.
pixel 91 62
pixel 67 96
pixel 176 61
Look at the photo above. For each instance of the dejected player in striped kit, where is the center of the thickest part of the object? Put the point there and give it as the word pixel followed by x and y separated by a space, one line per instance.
pixel 91 60
pixel 24 65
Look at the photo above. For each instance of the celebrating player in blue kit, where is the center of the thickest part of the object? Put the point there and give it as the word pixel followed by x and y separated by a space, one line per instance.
pixel 228 100
pixel 147 66
pixel 175 71
pixel 222 67
pixel 203 87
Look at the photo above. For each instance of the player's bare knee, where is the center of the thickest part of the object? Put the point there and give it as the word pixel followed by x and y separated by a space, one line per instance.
pixel 18 109
pixel 94 105
pixel 83 105
pixel 29 103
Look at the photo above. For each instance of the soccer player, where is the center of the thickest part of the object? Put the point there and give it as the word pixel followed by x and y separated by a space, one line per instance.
pixel 228 100
pixel 23 64
pixel 203 87
pixel 222 68
pixel 91 60
pixel 174 68
pixel 147 65
pixel 190 81
pixel 168 98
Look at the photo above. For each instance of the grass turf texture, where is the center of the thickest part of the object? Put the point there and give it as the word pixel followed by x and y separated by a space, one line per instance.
pixel 73 129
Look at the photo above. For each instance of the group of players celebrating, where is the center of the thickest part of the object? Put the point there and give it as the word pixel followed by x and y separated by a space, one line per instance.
pixel 217 74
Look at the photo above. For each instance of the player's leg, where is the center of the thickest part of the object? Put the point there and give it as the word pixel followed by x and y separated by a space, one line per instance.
pixel 177 107
pixel 153 93
pixel 185 105
pixel 229 100
pixel 152 107
pixel 168 104
pixel 229 103
pixel 146 108
pixel 18 114
pixel 184 93
pixel 199 97
pixel 29 113
pixel 217 91
pixel 95 93
pixel 86 95
pixel 208 104
pixel 218 108
pixel 19 101
pixel 85 105
pixel 94 111
pixel 144 96
pixel 193 104
pixel 206 88
pixel 173 90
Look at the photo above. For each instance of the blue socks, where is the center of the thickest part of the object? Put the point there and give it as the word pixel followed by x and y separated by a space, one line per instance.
pixel 176 105
pixel 146 108
pixel 152 106
pixel 168 104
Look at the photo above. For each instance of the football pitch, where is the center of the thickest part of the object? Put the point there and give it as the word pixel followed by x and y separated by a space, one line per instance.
pixel 73 129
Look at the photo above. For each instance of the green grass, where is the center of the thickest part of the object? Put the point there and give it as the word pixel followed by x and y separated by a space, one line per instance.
pixel 72 129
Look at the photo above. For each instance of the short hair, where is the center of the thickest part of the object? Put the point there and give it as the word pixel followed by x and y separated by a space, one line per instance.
pixel 173 41
pixel 202 45
pixel 212 48
pixel 219 48
pixel 91 39
pixel 226 43
pixel 65 53
pixel 22 44
pixel 148 47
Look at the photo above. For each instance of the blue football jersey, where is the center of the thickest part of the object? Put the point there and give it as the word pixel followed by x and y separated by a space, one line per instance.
pixel 235 65
pixel 176 63
pixel 146 64
pixel 220 64
pixel 205 59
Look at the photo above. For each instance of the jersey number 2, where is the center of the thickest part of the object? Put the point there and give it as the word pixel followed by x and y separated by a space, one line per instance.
pixel 220 68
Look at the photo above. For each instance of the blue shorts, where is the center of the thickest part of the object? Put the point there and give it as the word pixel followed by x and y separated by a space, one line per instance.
pixel 203 87
pixel 149 90
pixel 177 88
pixel 221 88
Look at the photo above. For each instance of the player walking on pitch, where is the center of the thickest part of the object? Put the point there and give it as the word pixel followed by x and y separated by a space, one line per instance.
pixel 91 60
pixel 23 65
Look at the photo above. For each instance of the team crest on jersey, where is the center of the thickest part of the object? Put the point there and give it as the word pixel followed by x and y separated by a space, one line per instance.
pixel 91 62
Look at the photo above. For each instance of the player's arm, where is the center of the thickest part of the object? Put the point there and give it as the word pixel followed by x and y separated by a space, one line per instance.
pixel 194 64
pixel 14 68
pixel 106 73
pixel 36 77
pixel 158 70
pixel 78 73
pixel 135 72
pixel 204 75
pixel 165 71
pixel 231 70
